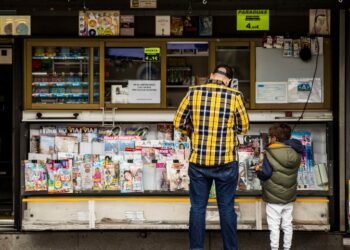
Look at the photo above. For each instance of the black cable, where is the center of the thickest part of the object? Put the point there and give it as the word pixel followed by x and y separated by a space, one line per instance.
pixel 315 71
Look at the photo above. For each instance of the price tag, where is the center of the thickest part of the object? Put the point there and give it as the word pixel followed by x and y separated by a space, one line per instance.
pixel 152 54
pixel 252 20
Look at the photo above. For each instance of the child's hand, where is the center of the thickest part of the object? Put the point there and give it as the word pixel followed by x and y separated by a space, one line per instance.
pixel 258 168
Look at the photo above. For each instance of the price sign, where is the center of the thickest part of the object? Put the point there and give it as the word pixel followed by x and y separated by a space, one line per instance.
pixel 152 54
pixel 252 20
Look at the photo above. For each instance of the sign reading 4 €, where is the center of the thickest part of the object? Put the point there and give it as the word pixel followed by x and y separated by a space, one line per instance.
pixel 252 20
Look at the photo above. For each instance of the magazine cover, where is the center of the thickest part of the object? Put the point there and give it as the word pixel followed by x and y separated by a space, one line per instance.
pixel 183 151
pixel 176 26
pixel 148 144
pixel 139 130
pixel 179 136
pixel 165 131
pixel 162 25
pixel 48 130
pixel 247 178
pixel 76 175
pixel 168 144
pixel 132 155
pixel 107 131
pixel 205 26
pixel 97 168
pixel 190 24
pixel 60 176
pixel 35 176
pixel 162 183
pixel 35 144
pixel 99 23
pixel 111 175
pixel 164 154
pixel 306 179
pixel 87 172
pixel 126 145
pixel 127 25
pixel 178 176
pixel 67 144
pixel 83 133
pixel 149 176
pixel 148 155
pixel 47 144
pixel 137 173
pixel 111 145
pixel 126 177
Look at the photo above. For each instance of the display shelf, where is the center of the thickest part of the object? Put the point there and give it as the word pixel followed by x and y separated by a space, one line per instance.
pixel 61 57
pixel 167 115
pixel 187 55
pixel 178 86
pixel 60 95
pixel 60 84
pixel 60 74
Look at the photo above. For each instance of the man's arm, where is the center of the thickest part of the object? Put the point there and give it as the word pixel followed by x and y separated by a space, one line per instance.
pixel 242 119
pixel 182 115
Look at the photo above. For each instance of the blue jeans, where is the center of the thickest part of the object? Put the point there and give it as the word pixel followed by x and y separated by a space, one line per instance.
pixel 201 179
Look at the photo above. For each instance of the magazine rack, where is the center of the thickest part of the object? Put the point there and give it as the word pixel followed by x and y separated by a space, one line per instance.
pixel 169 210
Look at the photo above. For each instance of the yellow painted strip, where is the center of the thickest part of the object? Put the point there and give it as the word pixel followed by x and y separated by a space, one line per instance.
pixel 312 200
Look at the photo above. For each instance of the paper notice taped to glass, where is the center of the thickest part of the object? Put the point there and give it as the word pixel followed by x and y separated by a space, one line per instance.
pixel 299 90
pixel 271 92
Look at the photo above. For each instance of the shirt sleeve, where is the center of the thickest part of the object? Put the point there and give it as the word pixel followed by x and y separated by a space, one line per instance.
pixel 242 119
pixel 182 115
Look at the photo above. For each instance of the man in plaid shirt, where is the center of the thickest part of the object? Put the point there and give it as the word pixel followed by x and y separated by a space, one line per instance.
pixel 212 115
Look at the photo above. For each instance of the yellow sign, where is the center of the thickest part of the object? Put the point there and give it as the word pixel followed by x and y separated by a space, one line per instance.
pixel 152 54
pixel 251 20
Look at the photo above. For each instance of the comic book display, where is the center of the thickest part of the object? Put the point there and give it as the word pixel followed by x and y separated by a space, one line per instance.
pixel 35 176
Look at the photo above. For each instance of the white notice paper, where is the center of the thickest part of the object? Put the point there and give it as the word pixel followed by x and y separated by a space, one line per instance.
pixel 271 92
pixel 299 90
pixel 144 91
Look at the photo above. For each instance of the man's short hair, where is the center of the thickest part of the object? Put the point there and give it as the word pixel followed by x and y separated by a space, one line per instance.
pixel 225 70
pixel 281 131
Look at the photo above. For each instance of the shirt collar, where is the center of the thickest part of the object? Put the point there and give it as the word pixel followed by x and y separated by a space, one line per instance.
pixel 218 82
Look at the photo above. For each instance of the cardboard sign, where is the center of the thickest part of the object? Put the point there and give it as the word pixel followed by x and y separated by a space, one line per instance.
pixel 253 20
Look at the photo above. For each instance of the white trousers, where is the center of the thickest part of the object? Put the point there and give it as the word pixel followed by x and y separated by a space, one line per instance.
pixel 280 215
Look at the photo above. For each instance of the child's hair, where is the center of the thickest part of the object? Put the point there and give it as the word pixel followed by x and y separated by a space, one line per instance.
pixel 281 131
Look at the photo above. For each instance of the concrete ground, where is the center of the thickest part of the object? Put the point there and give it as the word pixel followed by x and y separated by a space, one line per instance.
pixel 155 240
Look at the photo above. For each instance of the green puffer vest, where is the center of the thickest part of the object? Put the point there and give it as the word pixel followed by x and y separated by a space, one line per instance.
pixel 281 188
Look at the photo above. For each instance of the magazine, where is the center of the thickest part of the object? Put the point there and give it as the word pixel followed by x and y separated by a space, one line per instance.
pixel 164 154
pixel 183 151
pixel 35 176
pixel 190 24
pixel 35 144
pixel 47 144
pixel 148 155
pixel 60 176
pixel 77 176
pixel 67 144
pixel 131 177
pixel 306 178
pixel 111 145
pixel 248 158
pixel 176 26
pixel 205 26
pixel 162 183
pixel 149 176
pixel 97 176
pixel 127 24
pixel 165 131
pixel 111 175
pixel 178 175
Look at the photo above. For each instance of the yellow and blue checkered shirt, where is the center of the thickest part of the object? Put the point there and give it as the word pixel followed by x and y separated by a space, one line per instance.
pixel 216 114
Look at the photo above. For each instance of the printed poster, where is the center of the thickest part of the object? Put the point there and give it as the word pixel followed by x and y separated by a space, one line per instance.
pixel 299 90
pixel 271 92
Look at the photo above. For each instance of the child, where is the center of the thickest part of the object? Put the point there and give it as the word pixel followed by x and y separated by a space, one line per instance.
pixel 279 175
